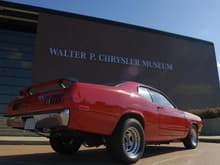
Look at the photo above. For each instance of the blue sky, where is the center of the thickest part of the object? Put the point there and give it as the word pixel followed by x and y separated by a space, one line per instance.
pixel 194 18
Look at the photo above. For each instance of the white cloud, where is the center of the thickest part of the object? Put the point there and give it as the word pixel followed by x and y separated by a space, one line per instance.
pixel 218 65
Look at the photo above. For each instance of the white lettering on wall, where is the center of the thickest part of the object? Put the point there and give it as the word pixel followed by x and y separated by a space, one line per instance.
pixel 107 58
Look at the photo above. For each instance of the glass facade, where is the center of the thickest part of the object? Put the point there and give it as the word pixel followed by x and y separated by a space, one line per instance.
pixel 16 53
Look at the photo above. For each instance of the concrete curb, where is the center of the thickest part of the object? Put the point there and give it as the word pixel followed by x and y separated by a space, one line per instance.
pixel 210 139
pixel 11 140
pixel 23 143
pixel 18 140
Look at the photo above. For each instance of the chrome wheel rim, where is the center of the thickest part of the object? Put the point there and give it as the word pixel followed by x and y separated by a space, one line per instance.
pixel 131 142
pixel 194 137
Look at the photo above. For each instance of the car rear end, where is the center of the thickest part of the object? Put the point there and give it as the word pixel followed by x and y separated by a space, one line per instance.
pixel 41 107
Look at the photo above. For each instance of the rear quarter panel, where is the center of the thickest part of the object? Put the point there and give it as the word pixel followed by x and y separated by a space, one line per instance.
pixel 98 108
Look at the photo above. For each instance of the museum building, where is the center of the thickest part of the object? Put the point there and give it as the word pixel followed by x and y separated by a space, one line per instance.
pixel 38 45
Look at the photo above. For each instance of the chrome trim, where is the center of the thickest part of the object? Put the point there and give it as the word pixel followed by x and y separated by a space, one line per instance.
pixel 47 120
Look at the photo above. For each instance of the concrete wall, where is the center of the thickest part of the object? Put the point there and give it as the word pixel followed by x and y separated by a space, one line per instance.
pixel 3 122
pixel 211 127
pixel 8 131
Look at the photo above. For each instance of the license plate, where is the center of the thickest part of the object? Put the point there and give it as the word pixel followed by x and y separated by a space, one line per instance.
pixel 30 124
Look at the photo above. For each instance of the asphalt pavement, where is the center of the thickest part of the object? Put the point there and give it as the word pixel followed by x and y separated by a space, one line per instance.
pixel 172 154
pixel 16 140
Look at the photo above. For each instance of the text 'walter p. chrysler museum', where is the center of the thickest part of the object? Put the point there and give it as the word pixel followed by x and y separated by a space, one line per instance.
pixel 37 45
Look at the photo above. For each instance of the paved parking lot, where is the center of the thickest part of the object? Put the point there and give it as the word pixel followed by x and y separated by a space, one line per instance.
pixel 173 154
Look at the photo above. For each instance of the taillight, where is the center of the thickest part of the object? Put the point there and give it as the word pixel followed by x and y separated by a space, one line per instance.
pixel 16 106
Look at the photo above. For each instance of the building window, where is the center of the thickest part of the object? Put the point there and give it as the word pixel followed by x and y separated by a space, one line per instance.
pixel 16 52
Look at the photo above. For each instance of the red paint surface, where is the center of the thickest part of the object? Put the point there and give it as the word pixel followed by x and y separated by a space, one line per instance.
pixel 98 108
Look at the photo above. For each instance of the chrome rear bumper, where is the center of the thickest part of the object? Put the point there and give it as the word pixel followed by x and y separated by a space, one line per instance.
pixel 40 121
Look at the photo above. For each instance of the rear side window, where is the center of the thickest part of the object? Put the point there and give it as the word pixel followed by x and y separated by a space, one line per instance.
pixel 160 99
pixel 144 92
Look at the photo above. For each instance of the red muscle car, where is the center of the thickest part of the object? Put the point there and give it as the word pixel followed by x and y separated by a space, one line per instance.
pixel 123 117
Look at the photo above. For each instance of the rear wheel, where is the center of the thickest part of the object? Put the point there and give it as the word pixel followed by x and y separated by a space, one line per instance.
pixel 191 141
pixel 127 142
pixel 65 145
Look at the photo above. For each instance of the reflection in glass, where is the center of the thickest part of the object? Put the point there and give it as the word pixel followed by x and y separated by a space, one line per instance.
pixel 16 51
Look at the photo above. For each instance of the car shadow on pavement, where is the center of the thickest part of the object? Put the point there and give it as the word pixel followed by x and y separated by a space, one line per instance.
pixel 156 150
pixel 84 157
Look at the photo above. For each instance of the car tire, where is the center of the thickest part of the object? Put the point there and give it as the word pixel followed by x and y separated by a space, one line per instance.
pixel 64 145
pixel 191 141
pixel 127 141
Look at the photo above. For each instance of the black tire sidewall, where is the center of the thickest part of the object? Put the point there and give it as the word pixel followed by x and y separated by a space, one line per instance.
pixel 116 141
pixel 195 128
pixel 188 140
pixel 56 142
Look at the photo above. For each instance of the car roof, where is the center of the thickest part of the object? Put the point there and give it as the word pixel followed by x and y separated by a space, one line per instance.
pixel 131 84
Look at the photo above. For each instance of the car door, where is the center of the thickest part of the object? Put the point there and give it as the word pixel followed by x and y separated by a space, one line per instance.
pixel 172 122
pixel 150 114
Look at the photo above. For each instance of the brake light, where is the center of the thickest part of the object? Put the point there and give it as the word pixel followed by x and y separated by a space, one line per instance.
pixel 16 106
